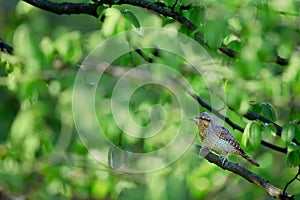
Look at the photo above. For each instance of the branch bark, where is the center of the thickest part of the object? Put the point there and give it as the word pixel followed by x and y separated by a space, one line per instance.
pixel 91 9
pixel 248 175
pixel 65 7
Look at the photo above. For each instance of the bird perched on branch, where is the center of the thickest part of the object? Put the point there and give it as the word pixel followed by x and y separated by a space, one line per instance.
pixel 218 138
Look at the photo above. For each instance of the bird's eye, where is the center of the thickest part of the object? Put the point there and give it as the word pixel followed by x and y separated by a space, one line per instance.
pixel 205 118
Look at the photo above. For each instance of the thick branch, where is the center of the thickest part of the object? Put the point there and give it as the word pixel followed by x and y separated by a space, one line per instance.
pixel 65 7
pixel 248 175
pixel 91 9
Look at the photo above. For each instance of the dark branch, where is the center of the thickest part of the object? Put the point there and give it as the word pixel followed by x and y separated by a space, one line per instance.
pixel 248 175
pixel 65 7
pixel 91 9
pixel 5 47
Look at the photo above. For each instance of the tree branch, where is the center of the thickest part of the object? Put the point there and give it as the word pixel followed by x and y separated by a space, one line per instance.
pixel 65 7
pixel 91 9
pixel 248 175
pixel 5 47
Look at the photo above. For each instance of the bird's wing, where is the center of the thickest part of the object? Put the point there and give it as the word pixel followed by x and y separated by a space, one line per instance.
pixel 225 134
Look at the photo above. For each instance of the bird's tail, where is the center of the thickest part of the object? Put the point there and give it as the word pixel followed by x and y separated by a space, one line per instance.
pixel 250 160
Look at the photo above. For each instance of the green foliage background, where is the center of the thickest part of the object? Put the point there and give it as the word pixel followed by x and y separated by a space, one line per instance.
pixel 41 155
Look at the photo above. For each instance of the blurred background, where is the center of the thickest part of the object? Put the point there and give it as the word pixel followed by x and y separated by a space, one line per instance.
pixel 41 154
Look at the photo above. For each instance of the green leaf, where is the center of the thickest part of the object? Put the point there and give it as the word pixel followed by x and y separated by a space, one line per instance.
pixel 268 111
pixel 246 135
pixel 131 17
pixel 252 135
pixel 235 45
pixel 270 129
pixel 297 133
pixel 288 133
pixel 214 32
pixel 293 159
pixel 255 135
pixel 197 14
pixel 69 46
pixel 293 147
pixel 27 47
pixel 100 11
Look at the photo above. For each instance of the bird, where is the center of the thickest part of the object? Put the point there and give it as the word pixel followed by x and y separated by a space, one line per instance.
pixel 216 137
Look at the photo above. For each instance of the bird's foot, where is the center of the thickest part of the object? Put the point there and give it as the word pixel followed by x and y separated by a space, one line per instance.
pixel 225 159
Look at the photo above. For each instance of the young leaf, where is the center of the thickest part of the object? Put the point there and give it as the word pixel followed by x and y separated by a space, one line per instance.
pixel 288 133
pixel 214 32
pixel 268 111
pixel 100 11
pixel 235 45
pixel 293 159
pixel 131 17
pixel 255 135
pixel 246 135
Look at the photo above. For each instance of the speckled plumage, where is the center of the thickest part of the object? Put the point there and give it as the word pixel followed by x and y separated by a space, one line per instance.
pixel 218 138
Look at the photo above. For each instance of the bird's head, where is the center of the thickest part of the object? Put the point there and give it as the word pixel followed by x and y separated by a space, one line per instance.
pixel 203 117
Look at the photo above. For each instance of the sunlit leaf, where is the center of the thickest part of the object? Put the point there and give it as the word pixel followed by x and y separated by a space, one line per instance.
pixel 131 17
pixel 246 135
pixel 255 135
pixel 293 159
pixel 100 11
pixel 197 15
pixel 69 46
pixel 268 111
pixel 288 133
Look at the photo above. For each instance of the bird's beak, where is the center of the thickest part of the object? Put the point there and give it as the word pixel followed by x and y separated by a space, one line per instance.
pixel 197 121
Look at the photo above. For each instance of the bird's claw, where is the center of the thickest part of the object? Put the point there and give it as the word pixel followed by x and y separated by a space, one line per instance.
pixel 224 160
